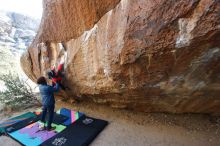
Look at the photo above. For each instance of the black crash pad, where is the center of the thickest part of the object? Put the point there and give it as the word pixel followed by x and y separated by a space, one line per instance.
pixel 80 133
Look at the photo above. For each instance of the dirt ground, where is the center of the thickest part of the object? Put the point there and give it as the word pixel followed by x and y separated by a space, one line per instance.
pixel 127 128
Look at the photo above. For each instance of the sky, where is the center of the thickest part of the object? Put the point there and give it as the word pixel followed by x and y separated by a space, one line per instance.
pixel 27 7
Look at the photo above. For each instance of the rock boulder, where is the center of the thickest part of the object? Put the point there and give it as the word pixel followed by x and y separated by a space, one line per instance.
pixel 145 55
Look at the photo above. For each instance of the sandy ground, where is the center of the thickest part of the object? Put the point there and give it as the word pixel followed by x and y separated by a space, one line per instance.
pixel 127 128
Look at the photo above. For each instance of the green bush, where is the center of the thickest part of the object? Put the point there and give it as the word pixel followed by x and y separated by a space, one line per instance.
pixel 17 93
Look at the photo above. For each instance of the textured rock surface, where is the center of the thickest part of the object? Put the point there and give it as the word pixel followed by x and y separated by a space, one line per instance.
pixel 146 55
pixel 65 19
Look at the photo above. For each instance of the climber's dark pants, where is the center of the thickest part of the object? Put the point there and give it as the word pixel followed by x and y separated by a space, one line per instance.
pixel 50 110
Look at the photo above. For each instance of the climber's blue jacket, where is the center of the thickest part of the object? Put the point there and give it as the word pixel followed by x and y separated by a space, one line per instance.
pixel 47 95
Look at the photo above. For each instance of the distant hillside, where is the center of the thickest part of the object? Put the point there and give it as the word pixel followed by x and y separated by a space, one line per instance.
pixel 17 31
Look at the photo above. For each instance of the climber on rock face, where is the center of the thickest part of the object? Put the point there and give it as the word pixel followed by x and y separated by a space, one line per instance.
pixel 57 76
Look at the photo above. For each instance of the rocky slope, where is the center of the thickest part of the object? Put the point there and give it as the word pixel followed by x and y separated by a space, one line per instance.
pixel 146 55
pixel 17 31
pixel 16 34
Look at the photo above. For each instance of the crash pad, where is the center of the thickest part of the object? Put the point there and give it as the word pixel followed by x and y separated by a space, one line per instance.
pixel 71 114
pixel 33 135
pixel 58 119
pixel 14 120
pixel 80 133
